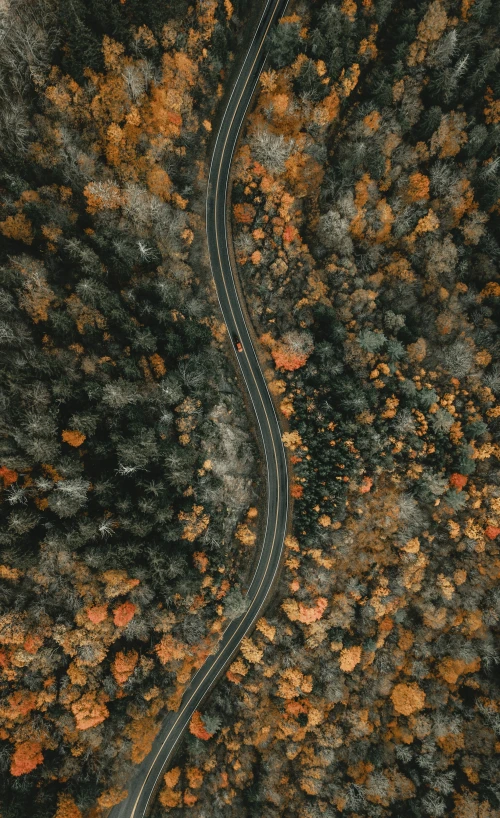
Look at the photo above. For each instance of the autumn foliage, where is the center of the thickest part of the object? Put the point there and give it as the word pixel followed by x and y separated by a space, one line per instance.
pixel 124 475
pixel 364 227
pixel 8 476
pixel 66 808
pixel 407 699
pixel 26 757
pixel 197 727
pixel 123 614
pixel 73 437
pixel 124 665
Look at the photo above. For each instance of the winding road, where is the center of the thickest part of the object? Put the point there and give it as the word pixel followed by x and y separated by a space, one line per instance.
pixel 148 775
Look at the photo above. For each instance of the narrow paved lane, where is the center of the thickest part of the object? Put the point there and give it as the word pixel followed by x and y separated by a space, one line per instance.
pixel 148 775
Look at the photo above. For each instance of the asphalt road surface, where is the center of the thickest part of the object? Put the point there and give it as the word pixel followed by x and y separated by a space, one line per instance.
pixel 148 775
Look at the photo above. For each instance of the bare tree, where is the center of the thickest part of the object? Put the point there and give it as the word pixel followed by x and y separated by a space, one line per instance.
pixel 28 36
pixel 272 150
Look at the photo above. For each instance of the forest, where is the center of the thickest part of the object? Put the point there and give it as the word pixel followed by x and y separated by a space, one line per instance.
pixel 127 461
pixel 365 213
pixel 365 218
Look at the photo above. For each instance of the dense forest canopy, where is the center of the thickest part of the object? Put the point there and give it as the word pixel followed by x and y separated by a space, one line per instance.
pixel 365 218
pixel 126 461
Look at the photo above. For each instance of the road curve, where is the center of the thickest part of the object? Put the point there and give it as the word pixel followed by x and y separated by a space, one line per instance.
pixel 148 775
